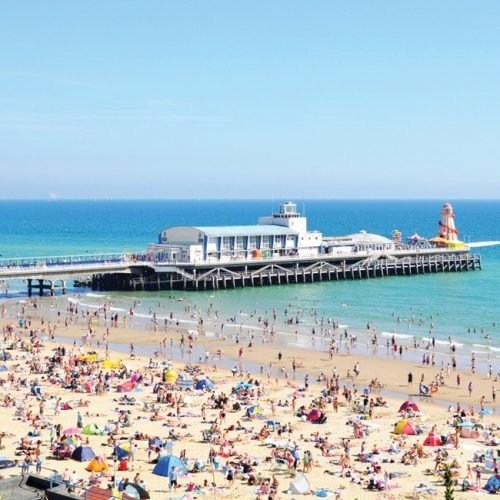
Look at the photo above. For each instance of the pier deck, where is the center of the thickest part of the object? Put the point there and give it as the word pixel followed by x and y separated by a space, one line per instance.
pixel 123 272
pixel 234 275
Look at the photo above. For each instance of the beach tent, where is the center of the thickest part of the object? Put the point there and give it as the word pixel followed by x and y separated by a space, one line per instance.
pixel 5 356
pixel 3 368
pixel 254 410
pixel 299 486
pixel 91 430
pixel 126 386
pixel 165 464
pixel 404 427
pixel 136 491
pixel 170 376
pixel 243 386
pixel 83 454
pixel 409 405
pixel 205 385
pixel 97 465
pixel 314 415
pixel 122 450
pixel 493 484
pixel 432 440
pixel 69 442
pixel 184 383
pixel 109 364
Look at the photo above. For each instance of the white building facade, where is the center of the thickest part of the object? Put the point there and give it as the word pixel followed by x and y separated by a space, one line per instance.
pixel 283 234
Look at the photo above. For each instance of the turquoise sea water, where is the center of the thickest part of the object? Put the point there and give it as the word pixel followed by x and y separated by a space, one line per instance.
pixel 454 302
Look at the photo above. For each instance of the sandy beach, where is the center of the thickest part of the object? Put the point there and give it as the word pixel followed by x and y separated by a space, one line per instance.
pixel 353 448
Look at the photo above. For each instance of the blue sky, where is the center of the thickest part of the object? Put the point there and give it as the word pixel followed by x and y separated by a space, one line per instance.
pixel 261 99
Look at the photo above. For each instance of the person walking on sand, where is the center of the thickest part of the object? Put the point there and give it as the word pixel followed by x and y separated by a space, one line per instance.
pixel 410 378
pixel 469 388
pixel 173 478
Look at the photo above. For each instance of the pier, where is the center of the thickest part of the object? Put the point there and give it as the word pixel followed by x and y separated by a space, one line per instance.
pixel 234 275
pixel 125 272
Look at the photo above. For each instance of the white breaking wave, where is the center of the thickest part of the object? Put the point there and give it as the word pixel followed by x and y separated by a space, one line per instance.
pixel 443 342
pixel 479 244
pixel 397 335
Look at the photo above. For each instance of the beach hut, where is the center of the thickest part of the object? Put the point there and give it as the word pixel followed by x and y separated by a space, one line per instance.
pixel 409 406
pixel 83 454
pixel 165 464
pixel 404 427
pixel 432 440
pixel 205 385
pixel 493 484
pixel 98 464
pixel 299 486
pixel 126 386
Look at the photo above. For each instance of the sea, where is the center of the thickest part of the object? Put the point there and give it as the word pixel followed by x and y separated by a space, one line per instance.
pixel 464 307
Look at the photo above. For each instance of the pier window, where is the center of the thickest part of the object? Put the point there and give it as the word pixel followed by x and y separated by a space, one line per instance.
pixel 240 242
pixel 226 243
pixel 252 242
pixel 266 242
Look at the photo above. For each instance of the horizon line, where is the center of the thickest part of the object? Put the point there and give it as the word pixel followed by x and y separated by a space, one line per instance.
pixel 290 198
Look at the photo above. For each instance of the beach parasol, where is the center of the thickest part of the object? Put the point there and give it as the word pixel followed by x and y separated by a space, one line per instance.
pixel 72 431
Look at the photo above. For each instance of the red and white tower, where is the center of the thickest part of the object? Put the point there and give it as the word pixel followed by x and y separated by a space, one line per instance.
pixel 447 228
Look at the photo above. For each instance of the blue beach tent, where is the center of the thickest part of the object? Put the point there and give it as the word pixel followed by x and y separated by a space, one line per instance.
pixel 165 464
pixel 83 454
pixel 3 368
pixel 205 385
pixel 493 484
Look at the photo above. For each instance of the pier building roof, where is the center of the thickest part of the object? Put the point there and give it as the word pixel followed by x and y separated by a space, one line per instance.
pixel 364 237
pixel 252 230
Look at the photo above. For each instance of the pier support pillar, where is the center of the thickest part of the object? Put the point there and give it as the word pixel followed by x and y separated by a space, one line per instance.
pixel 30 287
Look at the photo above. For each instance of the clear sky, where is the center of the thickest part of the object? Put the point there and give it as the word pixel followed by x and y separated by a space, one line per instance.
pixel 255 99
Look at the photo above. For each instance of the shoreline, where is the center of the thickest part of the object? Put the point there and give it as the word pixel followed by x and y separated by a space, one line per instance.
pixel 263 355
